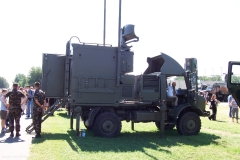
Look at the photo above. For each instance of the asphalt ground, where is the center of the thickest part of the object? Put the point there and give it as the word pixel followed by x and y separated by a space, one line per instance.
pixel 16 147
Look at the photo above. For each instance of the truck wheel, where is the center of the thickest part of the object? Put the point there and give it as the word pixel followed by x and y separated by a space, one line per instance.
pixel 189 124
pixel 179 132
pixel 166 127
pixel 107 124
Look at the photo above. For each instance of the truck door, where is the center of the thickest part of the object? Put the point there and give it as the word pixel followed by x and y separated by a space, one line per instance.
pixel 53 75
pixel 233 80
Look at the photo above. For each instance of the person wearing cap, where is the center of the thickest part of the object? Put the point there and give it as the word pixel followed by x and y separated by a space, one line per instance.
pixel 38 107
pixel 15 109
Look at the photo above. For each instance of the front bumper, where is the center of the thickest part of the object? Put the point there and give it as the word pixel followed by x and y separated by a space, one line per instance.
pixel 206 113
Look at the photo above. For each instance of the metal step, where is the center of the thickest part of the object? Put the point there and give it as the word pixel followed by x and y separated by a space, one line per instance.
pixel 47 113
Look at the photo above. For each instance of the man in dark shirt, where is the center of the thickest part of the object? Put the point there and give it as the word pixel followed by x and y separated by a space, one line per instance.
pixel 38 107
pixel 15 109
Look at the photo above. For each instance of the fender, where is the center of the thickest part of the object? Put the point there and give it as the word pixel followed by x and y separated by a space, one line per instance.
pixel 187 108
pixel 92 114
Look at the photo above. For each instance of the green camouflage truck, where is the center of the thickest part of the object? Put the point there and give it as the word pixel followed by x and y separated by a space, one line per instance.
pixel 94 81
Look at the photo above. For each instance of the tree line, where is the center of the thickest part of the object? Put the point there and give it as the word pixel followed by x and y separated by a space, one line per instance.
pixel 234 78
pixel 3 83
pixel 34 75
pixel 204 78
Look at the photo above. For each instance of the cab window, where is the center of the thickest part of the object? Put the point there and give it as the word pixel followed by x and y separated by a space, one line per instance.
pixel 235 76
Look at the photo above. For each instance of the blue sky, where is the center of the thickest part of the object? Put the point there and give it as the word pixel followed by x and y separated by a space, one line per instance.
pixel 208 30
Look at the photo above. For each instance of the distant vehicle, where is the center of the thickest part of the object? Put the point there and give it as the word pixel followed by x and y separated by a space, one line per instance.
pixel 208 89
pixel 221 91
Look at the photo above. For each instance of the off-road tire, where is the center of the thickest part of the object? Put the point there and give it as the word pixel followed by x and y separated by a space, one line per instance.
pixel 189 124
pixel 166 127
pixel 177 126
pixel 107 124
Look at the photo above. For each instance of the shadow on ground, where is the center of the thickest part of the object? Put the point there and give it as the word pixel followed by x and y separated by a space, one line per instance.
pixel 12 140
pixel 130 142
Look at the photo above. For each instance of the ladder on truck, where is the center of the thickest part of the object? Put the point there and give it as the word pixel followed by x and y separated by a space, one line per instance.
pixel 46 114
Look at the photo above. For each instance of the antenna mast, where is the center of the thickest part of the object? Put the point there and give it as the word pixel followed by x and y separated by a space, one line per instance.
pixel 119 47
pixel 104 23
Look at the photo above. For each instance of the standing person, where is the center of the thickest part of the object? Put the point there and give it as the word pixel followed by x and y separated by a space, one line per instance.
pixel 24 104
pixel 30 94
pixel 229 104
pixel 14 108
pixel 213 102
pixel 171 93
pixel 38 106
pixel 234 109
pixel 4 107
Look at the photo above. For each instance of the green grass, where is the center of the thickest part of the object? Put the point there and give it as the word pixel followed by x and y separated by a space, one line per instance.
pixel 217 140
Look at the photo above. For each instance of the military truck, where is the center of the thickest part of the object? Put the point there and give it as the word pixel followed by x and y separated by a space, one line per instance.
pixel 94 81
pixel 233 80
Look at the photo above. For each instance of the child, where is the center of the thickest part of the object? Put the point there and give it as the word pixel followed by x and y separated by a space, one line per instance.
pixel 4 107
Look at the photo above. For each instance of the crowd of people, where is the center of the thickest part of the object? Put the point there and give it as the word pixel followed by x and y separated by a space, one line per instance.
pixel 211 99
pixel 213 103
pixel 20 101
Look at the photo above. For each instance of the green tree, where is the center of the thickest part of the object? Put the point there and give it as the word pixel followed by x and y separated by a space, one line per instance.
pixel 35 75
pixel 21 79
pixel 235 79
pixel 179 78
pixel 203 78
pixel 3 83
pixel 215 78
pixel 212 78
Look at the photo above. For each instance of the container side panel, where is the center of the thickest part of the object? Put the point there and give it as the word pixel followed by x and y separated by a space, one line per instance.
pixel 53 75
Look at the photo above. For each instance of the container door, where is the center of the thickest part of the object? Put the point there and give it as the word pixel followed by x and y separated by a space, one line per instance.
pixel 53 69
pixel 233 80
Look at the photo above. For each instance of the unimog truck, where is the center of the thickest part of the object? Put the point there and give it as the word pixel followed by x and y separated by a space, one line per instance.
pixel 94 81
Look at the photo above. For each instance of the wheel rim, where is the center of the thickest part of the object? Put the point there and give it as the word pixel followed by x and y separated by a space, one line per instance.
pixel 108 126
pixel 191 125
